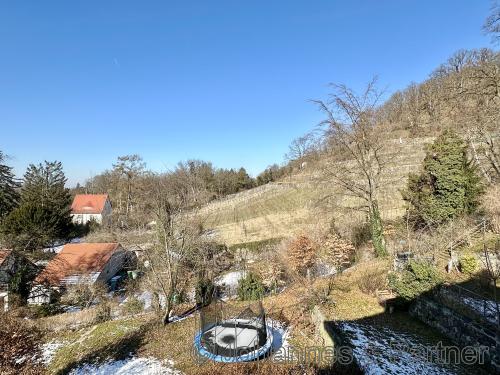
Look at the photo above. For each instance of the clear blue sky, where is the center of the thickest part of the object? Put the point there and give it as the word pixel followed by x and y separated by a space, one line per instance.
pixel 225 81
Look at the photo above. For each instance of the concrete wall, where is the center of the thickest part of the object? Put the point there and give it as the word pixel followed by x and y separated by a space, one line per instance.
pixel 319 320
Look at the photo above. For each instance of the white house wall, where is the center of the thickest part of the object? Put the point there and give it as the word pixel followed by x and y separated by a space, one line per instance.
pixel 85 218
pixel 101 218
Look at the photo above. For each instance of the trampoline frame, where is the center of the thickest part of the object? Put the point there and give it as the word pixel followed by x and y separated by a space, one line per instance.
pixel 215 315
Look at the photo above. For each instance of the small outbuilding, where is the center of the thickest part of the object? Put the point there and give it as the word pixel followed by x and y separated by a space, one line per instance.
pixel 88 207
pixel 79 263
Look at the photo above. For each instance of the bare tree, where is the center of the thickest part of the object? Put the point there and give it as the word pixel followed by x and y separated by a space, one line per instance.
pixel 302 147
pixel 180 252
pixel 492 23
pixel 130 167
pixel 356 159
pixel 171 241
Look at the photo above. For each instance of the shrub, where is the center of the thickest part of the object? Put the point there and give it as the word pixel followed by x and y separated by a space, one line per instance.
pixel 84 293
pixel 250 287
pixel 44 310
pixel 301 254
pixel 371 280
pixel 273 272
pixel 102 313
pixel 448 184
pixel 468 264
pixel 204 291
pixel 133 305
pixel 337 252
pixel 418 277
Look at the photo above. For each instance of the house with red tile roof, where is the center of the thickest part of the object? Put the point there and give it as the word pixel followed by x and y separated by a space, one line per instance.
pixel 87 207
pixel 87 263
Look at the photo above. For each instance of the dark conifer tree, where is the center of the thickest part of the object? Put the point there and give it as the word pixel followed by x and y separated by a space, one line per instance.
pixel 43 215
pixel 9 196
pixel 448 184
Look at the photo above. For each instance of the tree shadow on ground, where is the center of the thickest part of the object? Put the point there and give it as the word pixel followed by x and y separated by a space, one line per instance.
pixel 121 349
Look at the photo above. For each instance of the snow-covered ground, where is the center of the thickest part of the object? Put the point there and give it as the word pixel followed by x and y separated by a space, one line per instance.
pixel 323 269
pixel 57 247
pixel 485 308
pixel 49 350
pixel 145 297
pixel 281 333
pixel 130 366
pixel 380 350
pixel 230 282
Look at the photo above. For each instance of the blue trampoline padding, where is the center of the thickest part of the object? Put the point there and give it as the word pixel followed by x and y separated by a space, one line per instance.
pixel 242 358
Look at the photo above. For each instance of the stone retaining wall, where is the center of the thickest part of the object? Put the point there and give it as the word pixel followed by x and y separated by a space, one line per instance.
pixel 460 329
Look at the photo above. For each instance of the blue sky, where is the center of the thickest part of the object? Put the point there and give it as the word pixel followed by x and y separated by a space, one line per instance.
pixel 225 81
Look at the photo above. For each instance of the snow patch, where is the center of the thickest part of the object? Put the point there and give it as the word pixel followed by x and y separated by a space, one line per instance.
pixel 49 349
pixel 486 308
pixel 230 282
pixel 130 366
pixel 379 350
pixel 281 334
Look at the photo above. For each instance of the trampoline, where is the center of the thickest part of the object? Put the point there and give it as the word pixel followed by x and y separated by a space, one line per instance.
pixel 229 336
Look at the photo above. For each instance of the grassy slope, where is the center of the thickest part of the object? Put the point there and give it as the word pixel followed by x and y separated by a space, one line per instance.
pixel 112 339
pixel 284 208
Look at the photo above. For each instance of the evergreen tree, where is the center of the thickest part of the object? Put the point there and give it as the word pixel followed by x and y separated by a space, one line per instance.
pixel 44 213
pixel 244 181
pixel 448 184
pixel 9 197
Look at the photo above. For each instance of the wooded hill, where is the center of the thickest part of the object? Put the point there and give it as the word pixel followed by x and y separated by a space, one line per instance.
pixel 463 94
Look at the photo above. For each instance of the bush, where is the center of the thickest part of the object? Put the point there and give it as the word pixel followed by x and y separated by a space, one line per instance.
pixel 44 310
pixel 84 293
pixel 337 251
pixel 418 277
pixel 250 287
pixel 204 291
pixel 491 206
pixel 301 254
pixel 371 280
pixel 103 313
pixel 133 306
pixel 468 264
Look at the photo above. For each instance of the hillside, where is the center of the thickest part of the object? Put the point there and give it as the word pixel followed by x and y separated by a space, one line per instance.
pixel 282 208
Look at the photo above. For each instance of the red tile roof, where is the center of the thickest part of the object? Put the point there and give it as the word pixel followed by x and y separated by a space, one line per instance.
pixel 88 203
pixel 77 259
pixel 4 253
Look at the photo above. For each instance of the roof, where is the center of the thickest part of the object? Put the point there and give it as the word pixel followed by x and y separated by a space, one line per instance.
pixel 77 259
pixel 4 253
pixel 88 203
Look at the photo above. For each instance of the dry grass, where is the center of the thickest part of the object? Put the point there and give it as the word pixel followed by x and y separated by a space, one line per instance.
pixel 113 339
pixel 19 339
pixel 297 203
pixel 66 321
pixel 351 301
